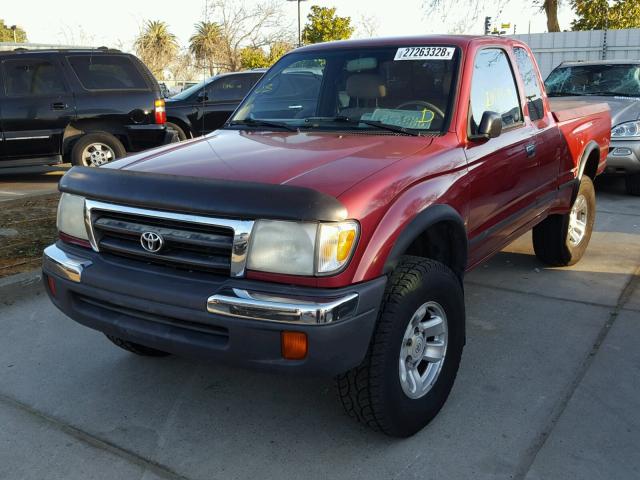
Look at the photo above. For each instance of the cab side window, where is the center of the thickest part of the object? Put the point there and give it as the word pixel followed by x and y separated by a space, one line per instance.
pixel 493 89
pixel 532 89
pixel 229 89
pixel 27 78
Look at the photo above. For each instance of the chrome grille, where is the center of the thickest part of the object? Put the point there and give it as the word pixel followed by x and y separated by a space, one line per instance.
pixel 191 242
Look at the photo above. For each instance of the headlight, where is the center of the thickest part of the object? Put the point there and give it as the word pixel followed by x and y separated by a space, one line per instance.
pixel 301 248
pixel 626 130
pixel 71 216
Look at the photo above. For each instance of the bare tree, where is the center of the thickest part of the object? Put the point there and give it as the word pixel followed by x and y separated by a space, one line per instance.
pixel 183 66
pixel 448 12
pixel 242 26
pixel 367 26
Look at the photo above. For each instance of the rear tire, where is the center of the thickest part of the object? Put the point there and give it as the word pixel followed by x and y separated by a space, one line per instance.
pixel 632 183
pixel 181 133
pixel 137 348
pixel 376 393
pixel 96 149
pixel 561 240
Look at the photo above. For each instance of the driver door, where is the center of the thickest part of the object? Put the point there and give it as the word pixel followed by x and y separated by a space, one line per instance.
pixel 502 170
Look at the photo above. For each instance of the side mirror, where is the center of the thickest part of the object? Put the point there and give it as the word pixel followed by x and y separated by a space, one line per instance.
pixel 203 97
pixel 490 125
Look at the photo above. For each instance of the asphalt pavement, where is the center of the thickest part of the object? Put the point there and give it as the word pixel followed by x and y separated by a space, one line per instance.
pixel 23 182
pixel 549 388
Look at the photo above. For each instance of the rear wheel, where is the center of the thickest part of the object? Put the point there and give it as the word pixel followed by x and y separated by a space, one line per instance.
pixel 632 183
pixel 96 149
pixel 137 348
pixel 561 240
pixel 181 133
pixel 415 351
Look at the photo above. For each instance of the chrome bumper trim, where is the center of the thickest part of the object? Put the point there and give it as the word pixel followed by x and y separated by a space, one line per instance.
pixel 240 303
pixel 61 263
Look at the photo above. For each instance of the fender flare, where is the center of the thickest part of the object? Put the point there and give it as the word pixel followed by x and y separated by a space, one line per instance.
pixel 588 149
pixel 422 221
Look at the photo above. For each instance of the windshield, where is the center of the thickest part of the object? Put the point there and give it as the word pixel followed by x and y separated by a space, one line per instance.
pixel 405 90
pixel 187 92
pixel 613 79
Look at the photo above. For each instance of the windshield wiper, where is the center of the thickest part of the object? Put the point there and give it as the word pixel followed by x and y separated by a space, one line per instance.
pixel 256 122
pixel 614 94
pixel 565 94
pixel 388 126
pixel 373 123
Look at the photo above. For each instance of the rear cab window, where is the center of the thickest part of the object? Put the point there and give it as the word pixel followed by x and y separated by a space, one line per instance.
pixel 532 89
pixel 493 89
pixel 107 72
pixel 31 77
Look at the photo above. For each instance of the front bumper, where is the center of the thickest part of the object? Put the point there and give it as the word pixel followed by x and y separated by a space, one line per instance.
pixel 235 321
pixel 624 157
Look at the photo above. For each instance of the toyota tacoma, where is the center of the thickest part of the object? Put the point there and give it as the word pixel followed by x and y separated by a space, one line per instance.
pixel 327 228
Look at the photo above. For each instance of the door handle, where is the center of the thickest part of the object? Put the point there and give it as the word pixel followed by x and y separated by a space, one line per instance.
pixel 531 149
pixel 59 106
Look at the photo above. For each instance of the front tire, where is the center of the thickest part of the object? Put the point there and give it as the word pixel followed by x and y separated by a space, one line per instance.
pixel 424 304
pixel 136 347
pixel 96 149
pixel 632 184
pixel 561 240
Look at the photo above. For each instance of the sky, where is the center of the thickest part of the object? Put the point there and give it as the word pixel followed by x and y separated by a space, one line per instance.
pixel 115 23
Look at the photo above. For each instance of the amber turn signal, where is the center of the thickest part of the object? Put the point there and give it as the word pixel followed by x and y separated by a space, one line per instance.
pixel 294 345
pixel 52 285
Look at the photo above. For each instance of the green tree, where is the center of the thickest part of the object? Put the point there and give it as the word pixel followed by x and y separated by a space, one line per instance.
pixel 6 33
pixel 597 15
pixel 324 25
pixel 205 44
pixel 156 46
pixel 255 57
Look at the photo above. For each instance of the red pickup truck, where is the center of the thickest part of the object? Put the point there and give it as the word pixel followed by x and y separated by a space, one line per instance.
pixel 328 226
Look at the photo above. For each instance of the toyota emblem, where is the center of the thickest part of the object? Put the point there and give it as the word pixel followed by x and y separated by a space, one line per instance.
pixel 151 242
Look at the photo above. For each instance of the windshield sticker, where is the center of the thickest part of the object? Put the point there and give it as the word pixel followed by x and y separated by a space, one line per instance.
pixel 424 53
pixel 402 118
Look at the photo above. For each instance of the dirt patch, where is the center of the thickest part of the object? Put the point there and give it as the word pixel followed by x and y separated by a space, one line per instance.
pixel 27 226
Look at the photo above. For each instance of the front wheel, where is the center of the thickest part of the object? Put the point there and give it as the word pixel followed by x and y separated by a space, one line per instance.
pixel 415 351
pixel 561 240
pixel 632 183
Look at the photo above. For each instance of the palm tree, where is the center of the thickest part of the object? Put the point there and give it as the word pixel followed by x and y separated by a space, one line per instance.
pixel 156 46
pixel 205 44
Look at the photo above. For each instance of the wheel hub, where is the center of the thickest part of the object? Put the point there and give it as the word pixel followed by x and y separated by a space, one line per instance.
pixel 97 154
pixel 578 221
pixel 423 350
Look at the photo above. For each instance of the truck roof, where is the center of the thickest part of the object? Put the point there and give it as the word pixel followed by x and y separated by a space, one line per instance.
pixel 49 51
pixel 457 40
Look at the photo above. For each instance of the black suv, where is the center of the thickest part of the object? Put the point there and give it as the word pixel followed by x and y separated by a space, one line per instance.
pixel 205 107
pixel 86 106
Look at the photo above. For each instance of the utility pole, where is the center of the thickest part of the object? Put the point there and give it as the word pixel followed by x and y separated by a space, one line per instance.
pixel 299 28
pixel 15 36
pixel 487 25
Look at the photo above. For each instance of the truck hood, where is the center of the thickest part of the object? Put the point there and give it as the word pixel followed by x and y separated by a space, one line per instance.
pixel 623 109
pixel 327 162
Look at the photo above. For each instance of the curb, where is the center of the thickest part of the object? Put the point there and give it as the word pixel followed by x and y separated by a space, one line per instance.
pixel 20 285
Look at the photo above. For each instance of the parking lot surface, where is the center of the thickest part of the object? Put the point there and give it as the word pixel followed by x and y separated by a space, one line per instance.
pixel 549 388
pixel 27 181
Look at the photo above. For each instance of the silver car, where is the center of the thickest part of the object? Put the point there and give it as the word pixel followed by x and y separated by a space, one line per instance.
pixel 616 82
